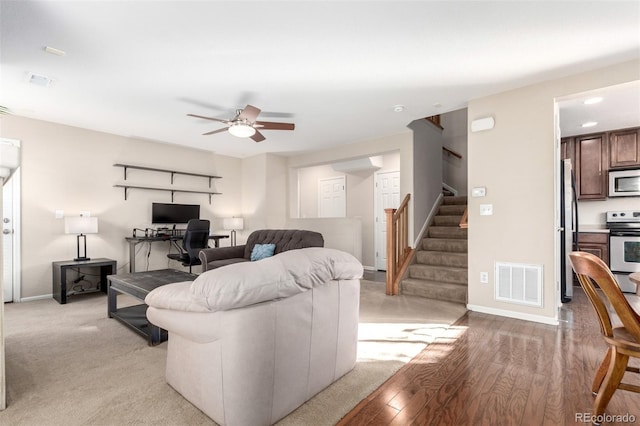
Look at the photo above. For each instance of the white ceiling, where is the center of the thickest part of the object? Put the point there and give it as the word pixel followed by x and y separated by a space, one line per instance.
pixel 334 68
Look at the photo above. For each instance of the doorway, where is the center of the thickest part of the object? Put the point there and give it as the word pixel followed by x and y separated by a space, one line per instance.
pixel 11 238
pixel 387 196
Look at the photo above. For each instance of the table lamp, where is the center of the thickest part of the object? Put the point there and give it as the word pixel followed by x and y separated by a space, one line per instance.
pixel 81 225
pixel 232 224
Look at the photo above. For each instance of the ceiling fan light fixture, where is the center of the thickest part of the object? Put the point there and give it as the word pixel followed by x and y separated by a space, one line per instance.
pixel 242 130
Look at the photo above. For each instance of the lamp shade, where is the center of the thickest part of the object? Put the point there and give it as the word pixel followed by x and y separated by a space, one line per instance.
pixel 80 225
pixel 233 223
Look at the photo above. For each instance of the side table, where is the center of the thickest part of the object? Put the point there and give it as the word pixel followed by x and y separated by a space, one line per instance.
pixel 60 268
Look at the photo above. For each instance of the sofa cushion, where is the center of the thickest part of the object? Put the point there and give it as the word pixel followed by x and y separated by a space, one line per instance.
pixel 283 275
pixel 262 251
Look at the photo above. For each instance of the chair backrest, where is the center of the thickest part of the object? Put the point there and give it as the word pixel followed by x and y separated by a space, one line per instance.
pixel 591 269
pixel 196 237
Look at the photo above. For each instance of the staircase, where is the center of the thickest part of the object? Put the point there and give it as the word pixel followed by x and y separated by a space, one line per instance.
pixel 440 268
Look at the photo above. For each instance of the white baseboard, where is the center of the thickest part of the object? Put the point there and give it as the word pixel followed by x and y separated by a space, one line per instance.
pixel 34 298
pixel 369 268
pixel 513 314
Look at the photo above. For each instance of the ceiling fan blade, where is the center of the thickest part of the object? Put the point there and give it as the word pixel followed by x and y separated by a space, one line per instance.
pixel 270 125
pixel 249 113
pixel 209 118
pixel 213 132
pixel 258 137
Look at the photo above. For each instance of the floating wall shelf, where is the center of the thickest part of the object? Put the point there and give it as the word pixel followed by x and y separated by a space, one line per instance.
pixel 171 190
pixel 172 172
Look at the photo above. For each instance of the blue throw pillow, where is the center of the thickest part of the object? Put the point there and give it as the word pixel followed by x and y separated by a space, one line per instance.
pixel 262 251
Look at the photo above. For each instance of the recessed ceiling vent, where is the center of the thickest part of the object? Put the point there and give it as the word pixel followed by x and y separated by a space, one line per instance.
pixel 359 164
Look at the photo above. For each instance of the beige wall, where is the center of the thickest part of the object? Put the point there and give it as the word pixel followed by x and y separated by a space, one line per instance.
pixel 454 137
pixel 264 193
pixel 72 169
pixel 397 152
pixel 360 198
pixel 517 163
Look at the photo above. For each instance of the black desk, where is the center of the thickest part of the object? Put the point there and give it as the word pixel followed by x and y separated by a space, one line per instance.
pixel 107 267
pixel 134 241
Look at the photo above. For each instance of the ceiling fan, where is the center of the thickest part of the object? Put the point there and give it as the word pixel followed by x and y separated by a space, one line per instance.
pixel 244 124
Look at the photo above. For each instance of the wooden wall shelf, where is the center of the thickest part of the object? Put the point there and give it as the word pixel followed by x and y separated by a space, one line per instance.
pixel 171 190
pixel 172 173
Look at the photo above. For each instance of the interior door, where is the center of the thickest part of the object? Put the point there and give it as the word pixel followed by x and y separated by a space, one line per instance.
pixel 387 196
pixel 10 228
pixel 332 199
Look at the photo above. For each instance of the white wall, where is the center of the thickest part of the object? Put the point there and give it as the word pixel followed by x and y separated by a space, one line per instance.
pixel 427 172
pixel 517 162
pixel 71 169
pixel 454 137
pixel 360 193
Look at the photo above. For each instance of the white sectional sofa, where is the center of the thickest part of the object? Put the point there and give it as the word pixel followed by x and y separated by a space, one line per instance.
pixel 250 342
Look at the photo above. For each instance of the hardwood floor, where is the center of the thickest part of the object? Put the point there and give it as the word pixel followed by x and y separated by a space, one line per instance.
pixel 499 371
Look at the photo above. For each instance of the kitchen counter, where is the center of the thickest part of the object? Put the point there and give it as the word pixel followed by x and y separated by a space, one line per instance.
pixel 594 228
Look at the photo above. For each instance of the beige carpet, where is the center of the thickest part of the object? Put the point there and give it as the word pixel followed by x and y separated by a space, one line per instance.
pixel 71 365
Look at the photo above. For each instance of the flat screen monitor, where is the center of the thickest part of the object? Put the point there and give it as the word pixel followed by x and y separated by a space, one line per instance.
pixel 162 213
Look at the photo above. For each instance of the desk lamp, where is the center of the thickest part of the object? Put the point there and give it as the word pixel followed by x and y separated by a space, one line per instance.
pixel 81 225
pixel 232 224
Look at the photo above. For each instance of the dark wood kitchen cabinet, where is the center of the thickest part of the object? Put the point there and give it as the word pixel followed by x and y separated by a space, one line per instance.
pixel 596 243
pixel 567 150
pixel 591 166
pixel 624 148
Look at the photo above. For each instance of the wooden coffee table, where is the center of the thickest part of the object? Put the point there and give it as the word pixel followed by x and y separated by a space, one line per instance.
pixel 138 285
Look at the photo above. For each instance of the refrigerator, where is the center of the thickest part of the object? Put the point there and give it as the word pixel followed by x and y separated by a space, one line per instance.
pixel 568 228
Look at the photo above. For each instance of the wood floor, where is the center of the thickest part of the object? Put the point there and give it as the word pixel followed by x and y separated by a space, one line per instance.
pixel 499 371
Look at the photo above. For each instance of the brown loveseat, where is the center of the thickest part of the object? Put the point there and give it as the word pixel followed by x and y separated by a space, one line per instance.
pixel 284 239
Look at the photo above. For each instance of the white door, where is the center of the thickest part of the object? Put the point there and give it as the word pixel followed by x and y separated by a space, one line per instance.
pixel 332 199
pixel 10 232
pixel 387 196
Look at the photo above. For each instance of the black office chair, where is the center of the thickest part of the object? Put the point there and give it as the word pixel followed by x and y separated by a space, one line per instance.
pixel 196 238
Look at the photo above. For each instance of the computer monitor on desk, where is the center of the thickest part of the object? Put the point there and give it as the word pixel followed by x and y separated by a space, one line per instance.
pixel 173 214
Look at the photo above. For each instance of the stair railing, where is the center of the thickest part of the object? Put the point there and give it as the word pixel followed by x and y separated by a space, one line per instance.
pixel 398 250
pixel 464 221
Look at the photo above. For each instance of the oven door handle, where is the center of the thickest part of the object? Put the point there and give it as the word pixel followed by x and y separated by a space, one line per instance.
pixel 624 233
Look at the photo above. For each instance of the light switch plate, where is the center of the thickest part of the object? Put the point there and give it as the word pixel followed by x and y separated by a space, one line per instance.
pixel 479 191
pixel 59 214
pixel 484 277
pixel 486 209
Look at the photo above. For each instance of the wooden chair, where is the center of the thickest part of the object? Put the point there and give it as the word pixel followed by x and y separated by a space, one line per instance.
pixel 623 341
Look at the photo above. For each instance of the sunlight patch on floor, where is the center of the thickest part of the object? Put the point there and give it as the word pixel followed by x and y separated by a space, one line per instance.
pixel 398 341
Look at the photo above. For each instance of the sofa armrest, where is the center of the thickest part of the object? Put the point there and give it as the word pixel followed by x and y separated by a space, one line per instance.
pixel 210 254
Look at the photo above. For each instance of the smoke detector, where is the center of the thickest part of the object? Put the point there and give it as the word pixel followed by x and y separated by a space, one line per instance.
pixel 39 80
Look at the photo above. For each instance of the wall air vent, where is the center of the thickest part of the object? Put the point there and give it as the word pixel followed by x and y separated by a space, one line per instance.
pixel 519 283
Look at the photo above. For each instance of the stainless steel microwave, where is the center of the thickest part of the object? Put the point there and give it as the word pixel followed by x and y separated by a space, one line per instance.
pixel 624 183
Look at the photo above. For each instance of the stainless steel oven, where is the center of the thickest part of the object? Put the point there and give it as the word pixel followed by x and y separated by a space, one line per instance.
pixel 624 246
